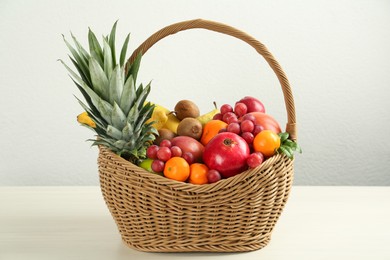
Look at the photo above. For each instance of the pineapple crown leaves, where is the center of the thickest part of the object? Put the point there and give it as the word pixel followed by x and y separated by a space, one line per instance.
pixel 112 99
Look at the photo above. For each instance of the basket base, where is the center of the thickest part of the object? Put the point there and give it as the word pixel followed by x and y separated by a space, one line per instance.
pixel 175 248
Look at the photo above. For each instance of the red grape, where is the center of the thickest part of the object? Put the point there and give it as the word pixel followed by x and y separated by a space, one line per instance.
pixel 255 159
pixel 213 176
pixel 151 152
pixel 234 128
pixel 176 151
pixel 189 157
pixel 240 109
pixel 257 129
pixel 248 137
pixel 230 117
pixel 165 143
pixel 164 154
pixel 249 117
pixel 226 108
pixel 158 166
pixel 247 126
pixel 217 116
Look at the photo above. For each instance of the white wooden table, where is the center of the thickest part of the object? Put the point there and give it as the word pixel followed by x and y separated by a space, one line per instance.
pixel 74 223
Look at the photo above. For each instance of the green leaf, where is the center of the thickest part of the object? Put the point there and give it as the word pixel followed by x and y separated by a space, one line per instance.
pixel 120 144
pixel 102 107
pixel 148 128
pixel 133 115
pixel 284 150
pixel 128 96
pixel 99 79
pixel 134 68
pixel 79 58
pixel 146 112
pixel 127 132
pixel 105 110
pixel 283 136
pixel 142 152
pixel 293 145
pixel 95 117
pixel 73 74
pixel 142 95
pixel 148 138
pixel 94 47
pixel 108 64
pixel 87 98
pixel 85 76
pixel 289 143
pixel 118 118
pixel 83 53
pixel 114 133
pixel 75 54
pixel 111 42
pixel 123 51
pixel 116 86
pixel 82 60
pixel 131 145
pixel 106 141
pixel 298 148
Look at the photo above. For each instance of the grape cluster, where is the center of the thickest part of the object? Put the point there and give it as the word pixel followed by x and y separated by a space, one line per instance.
pixel 161 153
pixel 244 124
pixel 165 151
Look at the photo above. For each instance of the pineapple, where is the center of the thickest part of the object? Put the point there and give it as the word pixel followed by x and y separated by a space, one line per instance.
pixel 114 103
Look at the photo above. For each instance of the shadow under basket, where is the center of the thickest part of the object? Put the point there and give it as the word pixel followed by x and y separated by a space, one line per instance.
pixel 156 214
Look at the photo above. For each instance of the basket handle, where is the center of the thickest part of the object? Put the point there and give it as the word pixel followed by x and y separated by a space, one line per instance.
pixel 226 29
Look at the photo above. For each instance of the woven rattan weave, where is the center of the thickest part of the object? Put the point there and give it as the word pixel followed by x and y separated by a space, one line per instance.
pixel 157 214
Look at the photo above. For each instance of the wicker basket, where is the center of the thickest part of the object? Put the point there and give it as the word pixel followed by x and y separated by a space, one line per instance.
pixel 157 214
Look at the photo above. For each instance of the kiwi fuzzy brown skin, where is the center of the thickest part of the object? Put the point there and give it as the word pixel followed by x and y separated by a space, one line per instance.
pixel 190 127
pixel 186 108
pixel 164 133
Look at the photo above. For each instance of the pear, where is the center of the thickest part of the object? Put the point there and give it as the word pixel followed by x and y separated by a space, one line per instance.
pixel 203 119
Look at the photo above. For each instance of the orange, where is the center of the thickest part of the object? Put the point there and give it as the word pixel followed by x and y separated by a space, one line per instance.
pixel 211 129
pixel 177 169
pixel 198 173
pixel 266 142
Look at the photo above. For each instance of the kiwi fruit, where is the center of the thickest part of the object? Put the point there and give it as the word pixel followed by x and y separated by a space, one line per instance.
pixel 190 127
pixel 186 108
pixel 164 133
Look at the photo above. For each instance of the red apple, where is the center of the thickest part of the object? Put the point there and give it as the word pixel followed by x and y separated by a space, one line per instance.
pixel 189 145
pixel 252 104
pixel 227 153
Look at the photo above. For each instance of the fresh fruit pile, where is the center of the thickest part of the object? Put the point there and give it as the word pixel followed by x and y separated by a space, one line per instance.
pixel 181 144
pixel 220 144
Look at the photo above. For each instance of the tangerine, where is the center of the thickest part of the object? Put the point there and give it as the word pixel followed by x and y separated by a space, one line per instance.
pixel 211 129
pixel 198 173
pixel 266 142
pixel 177 169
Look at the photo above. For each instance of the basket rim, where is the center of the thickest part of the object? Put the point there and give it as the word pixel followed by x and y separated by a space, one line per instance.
pixel 185 186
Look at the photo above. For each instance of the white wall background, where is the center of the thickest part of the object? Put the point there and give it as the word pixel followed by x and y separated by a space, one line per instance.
pixel 335 53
